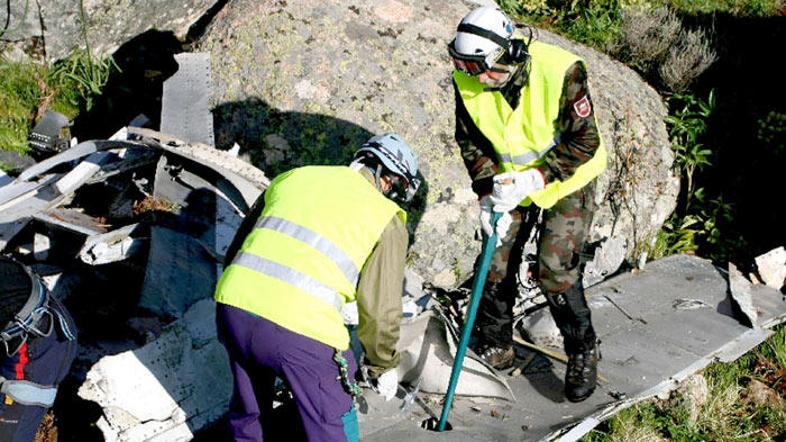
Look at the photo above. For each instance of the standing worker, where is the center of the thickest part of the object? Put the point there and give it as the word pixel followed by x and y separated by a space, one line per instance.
pixel 527 132
pixel 39 345
pixel 319 237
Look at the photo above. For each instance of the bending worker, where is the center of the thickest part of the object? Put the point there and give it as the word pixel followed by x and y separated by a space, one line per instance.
pixel 319 237
pixel 39 345
pixel 527 132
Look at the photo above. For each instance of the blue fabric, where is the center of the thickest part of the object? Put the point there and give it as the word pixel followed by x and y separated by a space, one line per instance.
pixel 49 360
pixel 351 429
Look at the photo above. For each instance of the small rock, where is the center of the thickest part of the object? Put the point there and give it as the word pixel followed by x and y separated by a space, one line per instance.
pixel 760 394
pixel 539 326
pixel 696 390
pixel 772 267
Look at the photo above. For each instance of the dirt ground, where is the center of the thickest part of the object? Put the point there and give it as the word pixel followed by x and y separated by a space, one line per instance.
pixel 47 431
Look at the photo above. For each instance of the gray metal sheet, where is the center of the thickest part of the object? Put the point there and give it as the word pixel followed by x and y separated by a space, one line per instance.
pixel 73 220
pixel 670 346
pixel 178 273
pixel 185 111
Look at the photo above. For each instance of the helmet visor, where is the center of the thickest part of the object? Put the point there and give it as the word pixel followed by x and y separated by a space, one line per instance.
pixel 469 67
pixel 473 64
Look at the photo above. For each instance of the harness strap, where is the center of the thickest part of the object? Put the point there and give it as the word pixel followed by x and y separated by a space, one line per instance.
pixel 28 393
pixel 350 386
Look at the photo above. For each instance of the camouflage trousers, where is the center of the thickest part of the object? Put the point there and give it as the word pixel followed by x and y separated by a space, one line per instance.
pixel 562 236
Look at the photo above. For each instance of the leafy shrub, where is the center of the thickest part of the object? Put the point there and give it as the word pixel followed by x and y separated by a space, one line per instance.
pixel 691 55
pixel 772 132
pixel 654 41
pixel 646 34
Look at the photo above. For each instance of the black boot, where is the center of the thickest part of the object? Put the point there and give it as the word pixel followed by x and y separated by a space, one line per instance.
pixel 572 316
pixel 582 373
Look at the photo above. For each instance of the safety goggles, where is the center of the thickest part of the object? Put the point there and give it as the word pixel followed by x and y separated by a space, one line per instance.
pixel 474 64
pixel 404 186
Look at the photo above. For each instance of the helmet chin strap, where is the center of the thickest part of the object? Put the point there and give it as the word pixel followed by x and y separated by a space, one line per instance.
pixel 378 176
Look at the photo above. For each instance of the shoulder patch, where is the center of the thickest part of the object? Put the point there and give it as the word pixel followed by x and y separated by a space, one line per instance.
pixel 583 107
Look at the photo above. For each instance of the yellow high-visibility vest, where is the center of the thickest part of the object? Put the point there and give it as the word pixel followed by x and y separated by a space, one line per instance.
pixel 521 137
pixel 302 261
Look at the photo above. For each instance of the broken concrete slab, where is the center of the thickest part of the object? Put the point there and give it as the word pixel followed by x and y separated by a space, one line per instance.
pixel 167 389
pixel 772 267
pixel 740 290
pixel 607 259
pixel 640 359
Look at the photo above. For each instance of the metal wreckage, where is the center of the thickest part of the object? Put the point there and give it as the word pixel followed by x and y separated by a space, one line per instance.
pixel 130 232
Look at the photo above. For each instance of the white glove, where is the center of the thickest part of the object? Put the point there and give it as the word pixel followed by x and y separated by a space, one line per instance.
pixel 387 384
pixel 511 188
pixel 503 224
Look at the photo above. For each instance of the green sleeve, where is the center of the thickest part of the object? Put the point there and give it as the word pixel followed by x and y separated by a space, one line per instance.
pixel 379 298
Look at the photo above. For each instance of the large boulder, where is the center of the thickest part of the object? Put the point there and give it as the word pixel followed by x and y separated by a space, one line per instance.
pixel 55 27
pixel 301 82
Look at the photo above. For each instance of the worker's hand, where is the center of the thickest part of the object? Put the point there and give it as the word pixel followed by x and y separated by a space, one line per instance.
pixel 511 188
pixel 503 224
pixel 387 384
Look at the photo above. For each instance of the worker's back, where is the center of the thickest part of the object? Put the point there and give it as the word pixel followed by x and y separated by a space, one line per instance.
pixel 303 259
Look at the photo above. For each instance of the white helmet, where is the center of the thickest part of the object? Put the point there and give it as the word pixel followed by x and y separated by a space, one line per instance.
pixel 482 38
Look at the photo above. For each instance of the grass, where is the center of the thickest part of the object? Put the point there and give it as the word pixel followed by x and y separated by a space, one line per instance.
pixel 740 8
pixel 731 411
pixel 28 89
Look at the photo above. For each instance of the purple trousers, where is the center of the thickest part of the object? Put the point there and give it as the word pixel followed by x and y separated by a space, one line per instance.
pixel 259 350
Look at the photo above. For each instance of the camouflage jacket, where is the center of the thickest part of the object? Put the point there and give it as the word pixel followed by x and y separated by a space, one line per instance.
pixel 579 137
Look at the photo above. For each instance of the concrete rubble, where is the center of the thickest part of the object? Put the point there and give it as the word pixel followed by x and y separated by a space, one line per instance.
pixel 772 268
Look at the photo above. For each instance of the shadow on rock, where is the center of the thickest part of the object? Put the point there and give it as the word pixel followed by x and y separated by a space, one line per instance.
pixel 144 63
pixel 276 141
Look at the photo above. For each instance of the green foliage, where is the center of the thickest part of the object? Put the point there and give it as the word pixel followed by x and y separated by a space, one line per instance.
pixel 20 93
pixel 28 89
pixel 596 25
pixel 688 121
pixel 772 132
pixel 697 225
pixel 743 8
pixel 84 77
pixel 593 23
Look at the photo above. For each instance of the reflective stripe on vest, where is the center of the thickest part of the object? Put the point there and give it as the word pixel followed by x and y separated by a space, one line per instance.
pixel 290 276
pixel 521 137
pixel 314 240
pixel 28 393
pixel 528 157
